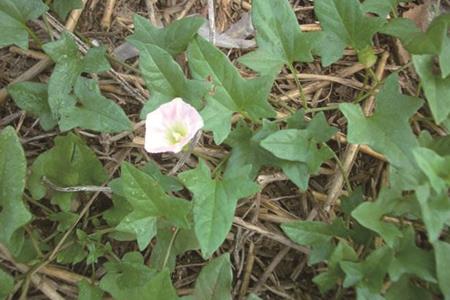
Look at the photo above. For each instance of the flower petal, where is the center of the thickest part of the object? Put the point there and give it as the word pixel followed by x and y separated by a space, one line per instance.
pixel 167 117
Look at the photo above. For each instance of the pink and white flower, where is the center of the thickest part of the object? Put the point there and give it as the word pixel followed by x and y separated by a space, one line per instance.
pixel 171 126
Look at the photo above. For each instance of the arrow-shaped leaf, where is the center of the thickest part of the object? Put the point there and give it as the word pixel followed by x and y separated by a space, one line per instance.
pixel 166 80
pixel 279 38
pixel 215 202
pixel 13 213
pixel 174 38
pixel 13 17
pixel 231 93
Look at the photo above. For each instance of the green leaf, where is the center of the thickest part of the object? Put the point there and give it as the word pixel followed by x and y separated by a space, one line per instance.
pixel 405 289
pixel 301 145
pixel 64 75
pixel 69 163
pixel 313 232
pixel 246 150
pixel 297 172
pixel 168 183
pixel 444 59
pixel 387 130
pixel 366 294
pixel 328 279
pixel 131 279
pixel 184 240
pixel 367 57
pixel 245 147
pixel 347 22
pixel 13 17
pixel 32 97
pixel 442 252
pixel 131 272
pixel 141 225
pixel 96 249
pixel 73 254
pixel 64 7
pixel 439 144
pixel 435 167
pixel 436 88
pixel 144 193
pixel 65 219
pixel 435 210
pixel 69 66
pixel 381 7
pixel 215 202
pixel 94 111
pixel 279 38
pixel 65 50
pixel 434 41
pixel 13 212
pixel 320 252
pixel 214 281
pixel 351 202
pixel 86 108
pixel 253 297
pixel 166 80
pixel 6 284
pixel 370 215
pixel 23 10
pixel 328 46
pixel 409 259
pixel 121 208
pixel 28 253
pixel 174 38
pixel 413 39
pixel 297 120
pixel 231 93
pixel 88 291
pixel 95 61
pixel 369 273
pixel 319 130
pixel 160 287
pixel 149 202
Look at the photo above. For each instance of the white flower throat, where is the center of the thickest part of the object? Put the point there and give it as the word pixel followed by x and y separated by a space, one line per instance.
pixel 176 133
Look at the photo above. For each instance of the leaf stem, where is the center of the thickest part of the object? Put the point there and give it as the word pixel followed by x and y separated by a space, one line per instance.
pixel 369 93
pixel 47 28
pixel 123 64
pixel 323 108
pixel 219 166
pixel 341 168
pixel 34 242
pixel 33 35
pixel 169 248
pixel 373 76
pixel 299 85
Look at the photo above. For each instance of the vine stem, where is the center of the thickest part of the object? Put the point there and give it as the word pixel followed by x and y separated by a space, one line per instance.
pixel 299 85
pixel 185 155
pixel 169 248
pixel 352 149
pixel 212 22
pixel 73 189
pixel 33 35
pixel 341 168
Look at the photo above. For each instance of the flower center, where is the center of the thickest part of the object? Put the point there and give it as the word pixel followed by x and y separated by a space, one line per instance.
pixel 176 133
